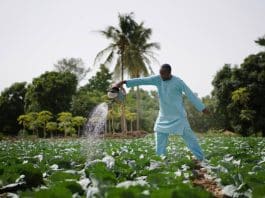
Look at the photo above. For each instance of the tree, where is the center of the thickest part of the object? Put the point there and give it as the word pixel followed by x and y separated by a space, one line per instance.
pixel 65 123
pixel 73 65
pixel 92 93
pixel 118 47
pixel 261 41
pixel 110 116
pixel 51 127
pixel 131 117
pixel 239 93
pixel 252 77
pixel 11 106
pixel 139 57
pixel 149 109
pixel 204 123
pixel 84 101
pixel 78 121
pixel 130 43
pixel 242 123
pixel 24 120
pixel 52 91
pixel 223 87
pixel 113 114
pixel 100 82
pixel 34 123
pixel 44 117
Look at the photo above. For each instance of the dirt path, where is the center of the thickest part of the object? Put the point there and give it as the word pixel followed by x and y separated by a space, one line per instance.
pixel 207 183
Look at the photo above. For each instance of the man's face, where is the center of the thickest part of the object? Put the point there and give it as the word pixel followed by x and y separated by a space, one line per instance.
pixel 165 75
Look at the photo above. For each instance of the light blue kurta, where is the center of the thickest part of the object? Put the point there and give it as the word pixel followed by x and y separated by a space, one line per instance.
pixel 172 116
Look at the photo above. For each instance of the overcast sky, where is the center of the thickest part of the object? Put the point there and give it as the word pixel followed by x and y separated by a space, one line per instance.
pixel 197 37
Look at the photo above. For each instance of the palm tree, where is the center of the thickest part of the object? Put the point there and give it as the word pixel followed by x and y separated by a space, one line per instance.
pixel 117 49
pixel 139 58
pixel 130 43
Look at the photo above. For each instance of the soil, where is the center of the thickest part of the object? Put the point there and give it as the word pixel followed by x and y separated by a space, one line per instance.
pixel 208 184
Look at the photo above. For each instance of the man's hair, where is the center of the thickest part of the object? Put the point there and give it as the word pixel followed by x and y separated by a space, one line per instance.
pixel 166 67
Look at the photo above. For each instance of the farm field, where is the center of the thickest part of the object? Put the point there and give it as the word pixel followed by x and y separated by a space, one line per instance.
pixel 129 168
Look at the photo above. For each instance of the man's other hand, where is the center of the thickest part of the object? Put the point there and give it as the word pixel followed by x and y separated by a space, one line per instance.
pixel 206 111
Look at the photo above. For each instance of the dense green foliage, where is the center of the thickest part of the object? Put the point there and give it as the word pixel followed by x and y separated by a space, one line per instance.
pixel 92 93
pixel 239 94
pixel 200 122
pixel 45 123
pixel 100 82
pixel 11 106
pixel 52 91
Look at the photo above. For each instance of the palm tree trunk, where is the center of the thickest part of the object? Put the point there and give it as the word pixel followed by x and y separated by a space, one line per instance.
pixel 123 119
pixel 44 131
pixel 24 128
pixel 112 125
pixel 106 126
pixel 138 108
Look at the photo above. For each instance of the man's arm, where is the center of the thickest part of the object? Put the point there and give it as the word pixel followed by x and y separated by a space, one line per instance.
pixel 193 98
pixel 150 80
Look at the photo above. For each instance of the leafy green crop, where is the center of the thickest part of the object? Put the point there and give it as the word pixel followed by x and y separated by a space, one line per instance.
pixel 130 167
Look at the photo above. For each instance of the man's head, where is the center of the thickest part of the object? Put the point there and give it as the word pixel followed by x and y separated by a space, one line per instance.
pixel 165 72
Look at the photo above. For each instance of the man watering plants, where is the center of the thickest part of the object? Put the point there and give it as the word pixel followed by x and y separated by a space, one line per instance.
pixel 172 117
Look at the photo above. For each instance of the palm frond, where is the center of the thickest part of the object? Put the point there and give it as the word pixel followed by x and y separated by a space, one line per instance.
pixel 117 69
pixel 129 41
pixel 100 54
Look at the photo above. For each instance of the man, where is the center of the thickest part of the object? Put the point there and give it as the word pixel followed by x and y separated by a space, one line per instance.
pixel 172 117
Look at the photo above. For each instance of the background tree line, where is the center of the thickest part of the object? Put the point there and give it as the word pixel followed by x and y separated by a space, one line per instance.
pixel 239 94
pixel 236 102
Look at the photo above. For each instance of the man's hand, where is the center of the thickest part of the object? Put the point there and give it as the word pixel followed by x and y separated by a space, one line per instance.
pixel 206 111
pixel 119 84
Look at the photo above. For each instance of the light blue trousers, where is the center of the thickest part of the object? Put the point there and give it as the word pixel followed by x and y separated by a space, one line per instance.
pixel 190 140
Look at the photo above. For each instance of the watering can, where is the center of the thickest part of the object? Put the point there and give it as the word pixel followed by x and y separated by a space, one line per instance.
pixel 117 94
